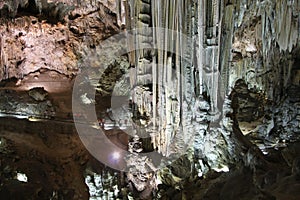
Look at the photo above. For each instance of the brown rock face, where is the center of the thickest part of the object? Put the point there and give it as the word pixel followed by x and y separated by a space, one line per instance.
pixel 43 42
pixel 52 35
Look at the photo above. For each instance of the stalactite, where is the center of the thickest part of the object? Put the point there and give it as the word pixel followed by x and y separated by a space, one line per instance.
pixel 227 27
pixel 164 15
pixel 3 61
pixel 180 66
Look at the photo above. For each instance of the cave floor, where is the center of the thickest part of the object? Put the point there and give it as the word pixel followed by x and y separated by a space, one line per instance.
pixel 46 149
pixel 51 155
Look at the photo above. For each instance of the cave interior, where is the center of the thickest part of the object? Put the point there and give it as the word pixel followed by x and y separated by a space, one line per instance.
pixel 145 99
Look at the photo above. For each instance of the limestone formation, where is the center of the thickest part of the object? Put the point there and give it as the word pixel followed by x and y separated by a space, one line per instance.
pixel 212 83
pixel 38 94
pixel 234 40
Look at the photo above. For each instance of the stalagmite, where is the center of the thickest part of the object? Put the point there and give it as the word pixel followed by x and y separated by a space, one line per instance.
pixel 191 76
pixel 169 84
pixel 208 85
pixel 2 58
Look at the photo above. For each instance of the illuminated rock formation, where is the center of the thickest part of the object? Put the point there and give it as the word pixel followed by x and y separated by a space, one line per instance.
pixel 232 40
pixel 213 83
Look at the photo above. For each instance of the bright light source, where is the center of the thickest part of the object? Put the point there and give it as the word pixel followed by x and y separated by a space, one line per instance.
pixel 95 126
pixel 221 168
pixel 33 119
pixel 21 177
pixel 116 155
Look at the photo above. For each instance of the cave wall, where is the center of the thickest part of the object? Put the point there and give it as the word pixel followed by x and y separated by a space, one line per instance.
pixel 52 35
pixel 253 41
pixel 265 46
pixel 249 48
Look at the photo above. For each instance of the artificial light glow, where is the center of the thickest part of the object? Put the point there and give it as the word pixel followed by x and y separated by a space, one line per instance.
pixel 33 119
pixel 116 155
pixel 221 168
pixel 21 177
pixel 19 116
pixel 95 126
pixel 265 152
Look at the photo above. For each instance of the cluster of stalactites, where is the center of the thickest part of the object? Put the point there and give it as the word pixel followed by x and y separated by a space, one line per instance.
pixel 179 69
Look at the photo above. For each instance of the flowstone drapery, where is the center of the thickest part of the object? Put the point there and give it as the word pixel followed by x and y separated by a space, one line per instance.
pixel 178 76
pixel 188 91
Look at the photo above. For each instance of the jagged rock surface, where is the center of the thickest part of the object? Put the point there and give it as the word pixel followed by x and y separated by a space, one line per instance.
pixel 54 37
pixel 242 40
pixel 233 98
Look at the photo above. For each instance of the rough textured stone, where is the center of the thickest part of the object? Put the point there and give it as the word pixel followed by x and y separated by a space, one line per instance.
pixel 38 94
pixel 232 94
pixel 30 43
